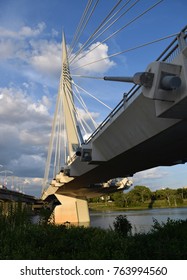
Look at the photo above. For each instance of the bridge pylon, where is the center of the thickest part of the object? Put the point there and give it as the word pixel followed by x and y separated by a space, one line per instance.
pixel 71 209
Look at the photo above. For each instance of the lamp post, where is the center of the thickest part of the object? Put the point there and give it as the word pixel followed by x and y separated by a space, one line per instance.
pixel 5 176
pixel 1 184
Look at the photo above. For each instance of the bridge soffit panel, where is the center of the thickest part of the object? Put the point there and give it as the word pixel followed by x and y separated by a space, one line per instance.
pixel 117 138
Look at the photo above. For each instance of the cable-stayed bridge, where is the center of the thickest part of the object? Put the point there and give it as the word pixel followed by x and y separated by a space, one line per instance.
pixel 146 129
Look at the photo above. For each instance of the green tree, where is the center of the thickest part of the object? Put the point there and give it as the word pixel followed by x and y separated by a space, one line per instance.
pixel 182 192
pixel 160 194
pixel 140 193
pixel 127 199
pixel 170 195
pixel 118 198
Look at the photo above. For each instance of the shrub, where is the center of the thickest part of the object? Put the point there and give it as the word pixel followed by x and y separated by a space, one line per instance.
pixel 122 225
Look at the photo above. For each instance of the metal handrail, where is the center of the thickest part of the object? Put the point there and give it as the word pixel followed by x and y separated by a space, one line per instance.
pixel 165 55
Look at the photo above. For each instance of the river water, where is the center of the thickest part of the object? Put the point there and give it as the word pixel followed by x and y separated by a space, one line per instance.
pixel 141 220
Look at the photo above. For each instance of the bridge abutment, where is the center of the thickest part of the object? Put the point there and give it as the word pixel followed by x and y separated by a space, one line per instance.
pixel 72 210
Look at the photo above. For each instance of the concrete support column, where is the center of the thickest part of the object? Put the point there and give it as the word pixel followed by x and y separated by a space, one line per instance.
pixel 72 210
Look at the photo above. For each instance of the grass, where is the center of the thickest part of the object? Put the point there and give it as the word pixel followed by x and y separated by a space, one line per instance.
pixel 20 240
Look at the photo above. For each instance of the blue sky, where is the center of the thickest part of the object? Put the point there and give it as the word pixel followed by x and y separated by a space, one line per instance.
pixel 30 61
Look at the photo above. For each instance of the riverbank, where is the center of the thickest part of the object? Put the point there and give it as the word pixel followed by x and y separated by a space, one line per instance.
pixel 110 206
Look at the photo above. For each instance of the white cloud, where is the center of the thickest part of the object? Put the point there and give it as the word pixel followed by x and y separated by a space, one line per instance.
pixel 24 31
pixel 16 106
pixel 38 108
pixel 84 115
pixel 152 178
pixel 34 186
pixel 54 33
pixel 45 100
pixel 153 173
pixel 45 57
pixel 15 45
pixel 39 59
pixel 27 31
pixel 24 132
pixel 27 163
pixel 7 49
pixel 95 52
pixel 28 138
pixel 37 180
pixel 87 121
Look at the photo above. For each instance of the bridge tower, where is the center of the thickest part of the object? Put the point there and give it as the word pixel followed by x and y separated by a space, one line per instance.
pixel 68 103
pixel 71 209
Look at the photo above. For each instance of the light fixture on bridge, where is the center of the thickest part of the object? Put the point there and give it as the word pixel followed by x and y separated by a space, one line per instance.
pixel 78 152
pixel 85 154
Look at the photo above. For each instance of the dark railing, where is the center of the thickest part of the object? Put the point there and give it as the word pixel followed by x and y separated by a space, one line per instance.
pixel 167 55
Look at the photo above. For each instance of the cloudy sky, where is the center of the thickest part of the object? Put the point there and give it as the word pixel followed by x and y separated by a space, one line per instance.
pixel 30 63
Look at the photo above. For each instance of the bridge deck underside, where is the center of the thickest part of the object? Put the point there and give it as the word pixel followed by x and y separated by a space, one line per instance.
pixel 165 149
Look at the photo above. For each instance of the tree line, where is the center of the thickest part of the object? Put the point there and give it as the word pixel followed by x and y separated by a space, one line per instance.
pixel 143 196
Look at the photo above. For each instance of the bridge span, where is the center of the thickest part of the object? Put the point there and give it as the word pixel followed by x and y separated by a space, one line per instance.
pixel 148 128
pixel 13 196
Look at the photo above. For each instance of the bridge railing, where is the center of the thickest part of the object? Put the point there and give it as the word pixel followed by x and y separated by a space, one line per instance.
pixel 174 47
pixel 167 55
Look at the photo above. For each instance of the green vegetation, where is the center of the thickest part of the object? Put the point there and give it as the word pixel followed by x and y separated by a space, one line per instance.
pixel 20 239
pixel 141 197
pixel 122 225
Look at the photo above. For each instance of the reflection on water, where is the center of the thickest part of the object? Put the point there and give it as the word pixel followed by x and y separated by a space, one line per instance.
pixel 141 220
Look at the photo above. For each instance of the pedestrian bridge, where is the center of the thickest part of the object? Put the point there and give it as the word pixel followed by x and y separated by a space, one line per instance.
pixel 148 128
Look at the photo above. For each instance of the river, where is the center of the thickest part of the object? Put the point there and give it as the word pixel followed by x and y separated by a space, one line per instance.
pixel 141 220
